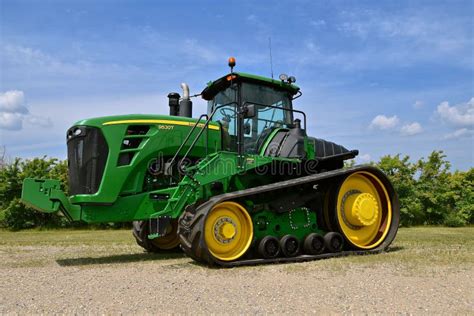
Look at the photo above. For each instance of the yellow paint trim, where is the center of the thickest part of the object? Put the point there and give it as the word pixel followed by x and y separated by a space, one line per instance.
pixel 171 122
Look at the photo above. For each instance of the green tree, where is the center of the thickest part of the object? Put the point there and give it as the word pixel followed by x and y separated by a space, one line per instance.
pixel 433 187
pixel 402 175
pixel 10 182
pixel 460 199
pixel 59 171
pixel 17 215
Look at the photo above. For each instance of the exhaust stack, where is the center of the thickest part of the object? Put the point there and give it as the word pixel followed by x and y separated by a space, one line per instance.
pixel 185 105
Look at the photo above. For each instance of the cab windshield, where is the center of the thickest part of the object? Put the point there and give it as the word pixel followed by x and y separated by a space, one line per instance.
pixel 272 110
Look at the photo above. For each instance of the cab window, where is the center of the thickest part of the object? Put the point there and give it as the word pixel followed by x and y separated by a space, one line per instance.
pixel 272 111
pixel 226 115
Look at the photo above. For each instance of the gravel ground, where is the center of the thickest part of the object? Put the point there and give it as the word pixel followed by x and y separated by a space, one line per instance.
pixel 116 277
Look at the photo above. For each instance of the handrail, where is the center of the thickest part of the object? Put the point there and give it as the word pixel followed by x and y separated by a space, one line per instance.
pixel 186 139
pixel 201 131
pixel 205 127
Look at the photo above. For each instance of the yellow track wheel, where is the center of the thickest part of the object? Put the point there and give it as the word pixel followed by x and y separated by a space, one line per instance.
pixel 364 211
pixel 228 231
pixel 170 240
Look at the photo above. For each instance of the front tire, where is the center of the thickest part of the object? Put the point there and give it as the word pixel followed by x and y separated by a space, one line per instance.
pixel 169 242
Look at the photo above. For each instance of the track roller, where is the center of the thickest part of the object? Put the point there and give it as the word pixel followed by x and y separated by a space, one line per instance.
pixel 313 244
pixel 333 242
pixel 290 245
pixel 268 247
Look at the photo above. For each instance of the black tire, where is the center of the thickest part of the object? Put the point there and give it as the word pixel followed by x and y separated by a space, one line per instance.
pixel 192 237
pixel 191 226
pixel 269 247
pixel 313 244
pixel 334 242
pixel 290 246
pixel 140 231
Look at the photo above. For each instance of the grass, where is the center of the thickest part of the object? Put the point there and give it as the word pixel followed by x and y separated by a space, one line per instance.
pixel 415 250
pixel 65 237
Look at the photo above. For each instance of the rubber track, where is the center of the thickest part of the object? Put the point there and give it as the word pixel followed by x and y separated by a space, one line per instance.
pixel 191 222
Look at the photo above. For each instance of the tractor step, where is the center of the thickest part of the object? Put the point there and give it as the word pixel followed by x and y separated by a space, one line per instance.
pixel 158 226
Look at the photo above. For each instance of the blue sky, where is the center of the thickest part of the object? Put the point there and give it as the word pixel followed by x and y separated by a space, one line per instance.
pixel 384 77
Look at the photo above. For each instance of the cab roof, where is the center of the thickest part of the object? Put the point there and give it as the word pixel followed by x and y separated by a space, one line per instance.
pixel 213 87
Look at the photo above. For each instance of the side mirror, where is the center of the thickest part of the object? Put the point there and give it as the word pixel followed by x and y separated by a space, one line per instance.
pixel 247 127
pixel 249 111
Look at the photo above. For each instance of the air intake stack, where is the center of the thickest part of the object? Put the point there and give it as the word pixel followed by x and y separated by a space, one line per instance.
pixel 173 101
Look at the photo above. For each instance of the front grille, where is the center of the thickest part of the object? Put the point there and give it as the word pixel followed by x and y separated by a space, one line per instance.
pixel 87 153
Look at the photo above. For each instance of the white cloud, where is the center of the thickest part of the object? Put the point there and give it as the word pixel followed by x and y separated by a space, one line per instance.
pixel 404 39
pixel 13 102
pixel 11 121
pixel 383 122
pixel 418 104
pixel 458 115
pixel 197 49
pixel 261 29
pixel 364 158
pixel 411 129
pixel 34 60
pixel 317 23
pixel 13 112
pixel 38 120
pixel 43 66
pixel 458 133
pixel 421 29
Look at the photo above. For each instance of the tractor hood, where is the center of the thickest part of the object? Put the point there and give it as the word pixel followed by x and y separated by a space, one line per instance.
pixel 105 152
pixel 100 122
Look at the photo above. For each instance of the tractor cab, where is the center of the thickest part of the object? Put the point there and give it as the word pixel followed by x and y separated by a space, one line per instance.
pixel 250 108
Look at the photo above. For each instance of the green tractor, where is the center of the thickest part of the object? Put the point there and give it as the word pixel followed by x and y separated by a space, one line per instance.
pixel 242 184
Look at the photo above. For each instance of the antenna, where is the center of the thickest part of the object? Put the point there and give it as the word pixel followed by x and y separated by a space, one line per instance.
pixel 271 60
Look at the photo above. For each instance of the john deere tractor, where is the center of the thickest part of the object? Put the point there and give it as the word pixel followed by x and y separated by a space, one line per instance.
pixel 242 184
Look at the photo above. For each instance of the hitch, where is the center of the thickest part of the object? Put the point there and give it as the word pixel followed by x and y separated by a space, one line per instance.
pixel 46 196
